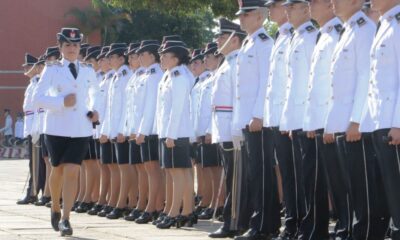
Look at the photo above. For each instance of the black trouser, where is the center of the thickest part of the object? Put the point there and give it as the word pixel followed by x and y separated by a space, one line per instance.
pixel 389 163
pixel 29 191
pixel 259 175
pixel 290 164
pixel 227 155
pixel 41 174
pixel 339 187
pixel 315 224
pixel 369 202
pixel 271 198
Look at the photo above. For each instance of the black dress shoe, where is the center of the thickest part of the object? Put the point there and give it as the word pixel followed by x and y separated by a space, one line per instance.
pixel 48 204
pixel 133 215
pixel 146 217
pixel 65 228
pixel 285 236
pixel 84 207
pixel 160 218
pixel 75 206
pixel 42 201
pixel 252 234
pixel 115 213
pixel 198 210
pixel 167 223
pixel 27 200
pixel 106 210
pixel 222 233
pixel 95 209
pixel 55 219
pixel 187 221
pixel 206 214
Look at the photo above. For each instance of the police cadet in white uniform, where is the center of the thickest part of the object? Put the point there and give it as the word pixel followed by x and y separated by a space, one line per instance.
pixel 229 41
pixel 298 60
pixel 112 130
pixel 29 111
pixel 350 78
pixel 174 129
pixel 106 152
pixel 208 152
pixel 145 101
pixel 90 163
pixel 248 111
pixel 316 222
pixel 66 90
pixel 382 113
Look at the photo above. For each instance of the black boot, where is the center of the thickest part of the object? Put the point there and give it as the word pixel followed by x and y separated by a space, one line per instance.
pixel 222 233
pixel 27 200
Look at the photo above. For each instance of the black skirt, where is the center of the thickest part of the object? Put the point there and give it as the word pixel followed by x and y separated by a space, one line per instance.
pixel 107 153
pixel 193 152
pixel 149 149
pixel 134 153
pixel 208 154
pixel 66 149
pixel 176 157
pixel 93 150
pixel 122 152
pixel 43 148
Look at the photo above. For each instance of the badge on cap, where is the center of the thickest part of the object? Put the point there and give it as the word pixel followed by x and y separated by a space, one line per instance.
pixel 72 34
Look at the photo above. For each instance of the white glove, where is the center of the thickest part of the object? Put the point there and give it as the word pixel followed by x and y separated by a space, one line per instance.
pixel 237 142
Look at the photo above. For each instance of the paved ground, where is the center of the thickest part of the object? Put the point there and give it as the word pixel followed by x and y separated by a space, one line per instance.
pixel 31 222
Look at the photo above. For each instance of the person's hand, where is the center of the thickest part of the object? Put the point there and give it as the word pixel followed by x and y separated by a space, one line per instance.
pixel 170 143
pixel 120 138
pixel 95 117
pixel 311 134
pixel 207 139
pixel 103 139
pixel 394 133
pixel 329 138
pixel 255 125
pixel 353 133
pixel 70 100
pixel 132 137
pixel 140 139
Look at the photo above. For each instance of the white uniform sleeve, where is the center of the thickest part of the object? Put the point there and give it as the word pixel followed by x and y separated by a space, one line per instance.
pixel 179 95
pixel 122 123
pixel 40 98
pixel 263 54
pixel 363 46
pixel 105 128
pixel 93 91
pixel 396 115
pixel 146 123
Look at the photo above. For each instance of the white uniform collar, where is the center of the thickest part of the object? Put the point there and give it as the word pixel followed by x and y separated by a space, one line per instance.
pixel 389 15
pixel 154 65
pixel 232 55
pixel 65 62
pixel 255 34
pixel 303 27
pixel 353 19
pixel 204 75
pixel 330 25
pixel 284 29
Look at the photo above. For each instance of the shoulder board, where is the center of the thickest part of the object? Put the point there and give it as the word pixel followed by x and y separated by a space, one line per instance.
pixel 124 72
pixel 291 30
pixel 176 73
pixel 139 73
pixel 152 71
pixel 361 22
pixel 397 16
pixel 263 36
pixel 109 75
pixel 54 63
pixel 310 29
pixel 338 28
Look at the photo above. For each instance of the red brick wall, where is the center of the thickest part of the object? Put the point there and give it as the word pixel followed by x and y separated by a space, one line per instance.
pixel 29 26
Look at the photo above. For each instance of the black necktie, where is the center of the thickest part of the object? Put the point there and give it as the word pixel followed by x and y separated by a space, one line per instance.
pixel 277 35
pixel 72 68
pixel 377 27
pixel 318 36
pixel 341 33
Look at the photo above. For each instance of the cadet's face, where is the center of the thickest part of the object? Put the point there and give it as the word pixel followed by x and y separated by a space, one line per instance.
pixel 70 51
pixel 146 59
pixel 340 6
pixel 116 61
pixel 277 12
pixel 133 61
pixel 27 68
pixel 221 40
pixel 197 67
pixel 248 20
pixel 295 12
pixel 319 8
pixel 93 62
pixel 168 60
pixel 211 61
pixel 104 64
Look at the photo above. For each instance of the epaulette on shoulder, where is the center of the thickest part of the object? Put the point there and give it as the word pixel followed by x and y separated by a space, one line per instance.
pixel 176 73
pixel 110 76
pixel 53 63
pixel 310 29
pixel 139 73
pixel 124 72
pixel 152 71
pixel 361 22
pixel 338 28
pixel 263 36
pixel 291 30
pixel 397 16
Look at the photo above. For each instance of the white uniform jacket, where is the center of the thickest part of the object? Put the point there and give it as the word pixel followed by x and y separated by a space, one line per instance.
pixel 102 99
pixel 277 80
pixel 320 90
pixel 57 82
pixel 251 81
pixel 204 109
pixel 298 66
pixel 383 103
pixel 350 73
pixel 29 109
pixel 222 99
